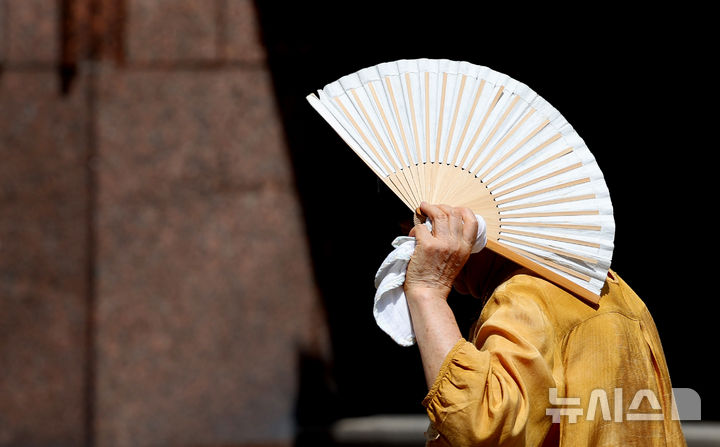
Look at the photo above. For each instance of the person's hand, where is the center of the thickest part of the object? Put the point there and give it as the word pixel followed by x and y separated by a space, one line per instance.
pixel 439 256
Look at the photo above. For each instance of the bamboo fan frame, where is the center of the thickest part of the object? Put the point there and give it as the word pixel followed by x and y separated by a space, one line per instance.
pixel 414 182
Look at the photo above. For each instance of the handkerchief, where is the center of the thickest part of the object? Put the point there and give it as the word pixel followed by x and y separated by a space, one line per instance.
pixel 390 309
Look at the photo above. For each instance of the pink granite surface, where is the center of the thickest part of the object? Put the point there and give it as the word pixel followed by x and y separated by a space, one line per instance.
pixel 153 204
pixel 43 281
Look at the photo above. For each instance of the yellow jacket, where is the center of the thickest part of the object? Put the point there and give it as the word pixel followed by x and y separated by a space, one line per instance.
pixel 538 353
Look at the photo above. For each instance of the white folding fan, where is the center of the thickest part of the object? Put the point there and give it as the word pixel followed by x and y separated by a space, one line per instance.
pixel 460 134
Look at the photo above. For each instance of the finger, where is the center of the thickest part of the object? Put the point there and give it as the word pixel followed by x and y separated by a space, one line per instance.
pixel 421 233
pixel 455 222
pixel 413 229
pixel 470 225
pixel 440 219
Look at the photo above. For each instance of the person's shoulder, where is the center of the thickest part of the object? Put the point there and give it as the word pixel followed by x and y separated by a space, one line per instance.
pixel 522 279
pixel 524 284
pixel 619 297
pixel 524 288
pixel 520 288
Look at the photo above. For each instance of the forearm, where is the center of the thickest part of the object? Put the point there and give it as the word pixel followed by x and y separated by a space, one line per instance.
pixel 436 330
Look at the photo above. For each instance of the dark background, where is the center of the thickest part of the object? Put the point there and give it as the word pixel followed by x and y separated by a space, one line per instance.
pixel 635 87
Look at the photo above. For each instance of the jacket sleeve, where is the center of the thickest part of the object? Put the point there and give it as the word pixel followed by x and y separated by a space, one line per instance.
pixel 495 392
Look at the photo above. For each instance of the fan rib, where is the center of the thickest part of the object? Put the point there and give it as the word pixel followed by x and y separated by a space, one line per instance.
pixel 427 116
pixel 362 135
pixel 481 126
pixel 552 238
pixel 374 130
pixel 504 140
pixel 549 263
pixel 550 214
pixel 438 135
pixel 458 148
pixel 557 251
pixel 457 188
pixel 412 165
pixel 379 106
pixel 492 133
pixel 391 134
pixel 548 189
pixel 528 170
pixel 440 120
pixel 346 137
pixel 548 202
pixel 536 180
pixel 515 149
pixel 397 115
pixel 374 151
pixel 552 225
pixel 413 120
pixel 454 119
pixel 396 168
pixel 416 137
pixel 430 163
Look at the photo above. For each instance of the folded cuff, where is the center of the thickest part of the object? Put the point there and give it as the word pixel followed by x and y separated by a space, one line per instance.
pixel 443 372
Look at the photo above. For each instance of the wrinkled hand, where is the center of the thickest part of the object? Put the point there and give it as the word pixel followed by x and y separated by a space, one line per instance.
pixel 439 256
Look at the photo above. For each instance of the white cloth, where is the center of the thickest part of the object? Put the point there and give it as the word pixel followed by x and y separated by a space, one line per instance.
pixel 391 310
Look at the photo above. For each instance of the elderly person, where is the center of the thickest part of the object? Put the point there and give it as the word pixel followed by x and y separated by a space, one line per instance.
pixel 540 367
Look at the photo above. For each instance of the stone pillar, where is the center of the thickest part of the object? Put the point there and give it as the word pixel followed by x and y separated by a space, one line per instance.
pixel 156 280
pixel 43 234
